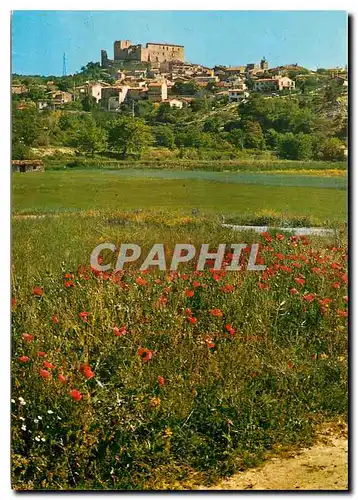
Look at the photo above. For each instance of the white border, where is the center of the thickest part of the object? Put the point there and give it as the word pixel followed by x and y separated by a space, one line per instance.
pixel 5 8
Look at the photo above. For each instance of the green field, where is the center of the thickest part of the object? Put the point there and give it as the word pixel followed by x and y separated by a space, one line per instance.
pixel 224 194
pixel 236 364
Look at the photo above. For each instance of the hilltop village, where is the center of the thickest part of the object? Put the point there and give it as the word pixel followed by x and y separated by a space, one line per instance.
pixel 148 101
pixel 159 73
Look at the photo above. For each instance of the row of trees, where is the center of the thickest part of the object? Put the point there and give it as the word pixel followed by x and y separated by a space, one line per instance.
pixel 291 127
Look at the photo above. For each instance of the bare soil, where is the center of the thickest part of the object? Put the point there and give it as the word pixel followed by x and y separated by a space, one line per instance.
pixel 323 466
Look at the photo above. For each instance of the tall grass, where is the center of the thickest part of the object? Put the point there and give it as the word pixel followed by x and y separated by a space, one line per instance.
pixel 240 362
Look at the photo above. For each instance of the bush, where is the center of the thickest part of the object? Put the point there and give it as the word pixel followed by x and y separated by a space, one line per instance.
pixel 21 152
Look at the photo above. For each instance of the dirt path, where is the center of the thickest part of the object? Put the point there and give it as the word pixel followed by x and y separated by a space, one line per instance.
pixel 324 466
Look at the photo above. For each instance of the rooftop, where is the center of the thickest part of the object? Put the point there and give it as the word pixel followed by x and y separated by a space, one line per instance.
pixel 169 44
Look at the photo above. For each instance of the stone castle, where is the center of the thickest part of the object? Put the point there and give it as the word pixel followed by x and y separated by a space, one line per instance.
pixel 124 50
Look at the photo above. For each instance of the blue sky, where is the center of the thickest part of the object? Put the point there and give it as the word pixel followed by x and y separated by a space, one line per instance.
pixel 309 38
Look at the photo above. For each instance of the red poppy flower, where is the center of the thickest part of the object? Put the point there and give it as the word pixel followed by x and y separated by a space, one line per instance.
pixel 188 311
pixel 293 291
pixel 230 329
pixel 27 337
pixel 54 319
pixel 145 354
pixel 191 320
pixel 24 359
pixel 344 278
pixel 267 236
pixel 45 374
pixel 216 312
pixel 253 374
pixel 76 395
pixel 345 298
pixel 157 281
pixel 69 284
pixel 184 276
pixel 279 256
pixel 163 300
pixel 41 354
pixel 335 265
pixel 68 276
pixel 336 285
pixel 280 237
pixel 300 281
pixel 316 270
pixel 161 380
pixel 62 378
pixel 141 281
pixel 37 291
pixel 13 303
pixel 286 269
pixel 189 293
pixel 48 365
pixel 118 332
pixel 344 314
pixel 324 302
pixel 293 257
pixel 227 288
pixel 196 284
pixel 309 297
pixel 263 286
pixel 290 364
pixel 84 316
pixel 210 344
pixel 88 373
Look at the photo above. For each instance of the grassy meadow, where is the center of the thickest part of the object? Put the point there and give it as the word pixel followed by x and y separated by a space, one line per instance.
pixel 324 200
pixel 165 380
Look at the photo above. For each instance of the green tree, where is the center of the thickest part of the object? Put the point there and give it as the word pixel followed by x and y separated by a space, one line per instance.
pixel 25 126
pixel 296 147
pixel 236 137
pixel 144 109
pixel 91 138
pixel 92 70
pixel 332 149
pixel 253 136
pixel 89 103
pixel 191 137
pixel 185 88
pixel 130 136
pixel 164 136
pixel 199 104
pixel 21 152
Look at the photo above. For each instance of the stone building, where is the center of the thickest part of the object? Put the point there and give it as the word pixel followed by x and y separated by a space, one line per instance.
pixel 157 92
pixel 272 84
pixel 264 64
pixel 125 50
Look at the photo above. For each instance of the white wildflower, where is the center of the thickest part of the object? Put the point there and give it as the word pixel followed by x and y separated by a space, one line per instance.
pixel 37 438
pixel 22 418
pixel 13 400
pixel 39 417
pixel 50 412
pixel 59 418
pixel 23 427
pixel 43 439
pixel 22 401
pixel 36 421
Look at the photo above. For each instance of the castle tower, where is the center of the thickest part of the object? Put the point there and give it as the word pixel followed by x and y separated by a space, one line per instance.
pixel 104 59
pixel 120 47
pixel 264 64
